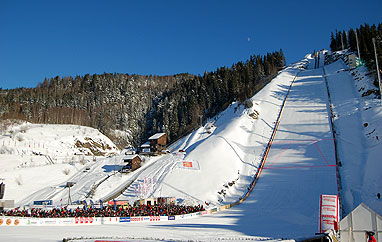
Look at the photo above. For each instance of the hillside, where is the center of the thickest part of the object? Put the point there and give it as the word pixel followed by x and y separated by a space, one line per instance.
pixel 130 108
pixel 38 155
pixel 357 113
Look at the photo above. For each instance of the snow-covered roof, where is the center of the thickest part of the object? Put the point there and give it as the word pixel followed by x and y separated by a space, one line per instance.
pixel 157 136
pixel 147 144
pixel 130 157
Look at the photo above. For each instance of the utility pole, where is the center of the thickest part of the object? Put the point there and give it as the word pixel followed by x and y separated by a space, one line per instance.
pixel 356 38
pixel 376 63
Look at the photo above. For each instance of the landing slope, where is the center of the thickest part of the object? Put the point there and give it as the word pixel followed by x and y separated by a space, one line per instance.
pixel 299 168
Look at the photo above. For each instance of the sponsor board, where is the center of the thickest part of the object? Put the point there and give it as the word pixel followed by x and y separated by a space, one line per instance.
pixel 9 221
pixel 16 222
pixel 118 203
pixel 136 219
pixel 65 221
pixel 154 218
pixel 83 220
pixel 110 220
pixel 33 221
pixel 124 220
pixel 188 164
pixel 171 217
pixel 49 221
pixel 329 212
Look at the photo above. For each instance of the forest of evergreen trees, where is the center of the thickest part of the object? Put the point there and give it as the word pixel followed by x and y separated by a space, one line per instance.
pixel 347 40
pixel 140 105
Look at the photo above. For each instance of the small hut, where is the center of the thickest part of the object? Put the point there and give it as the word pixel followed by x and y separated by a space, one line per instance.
pixel 158 142
pixel 131 162
pixel 145 148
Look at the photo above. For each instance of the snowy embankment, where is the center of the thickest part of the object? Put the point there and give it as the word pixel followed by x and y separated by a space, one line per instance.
pixel 357 115
pixel 41 156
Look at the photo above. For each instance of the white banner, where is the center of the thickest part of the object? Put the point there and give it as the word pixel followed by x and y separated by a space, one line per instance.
pixel 329 213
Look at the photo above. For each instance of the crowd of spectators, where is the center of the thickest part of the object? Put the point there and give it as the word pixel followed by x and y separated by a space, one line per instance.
pixel 107 211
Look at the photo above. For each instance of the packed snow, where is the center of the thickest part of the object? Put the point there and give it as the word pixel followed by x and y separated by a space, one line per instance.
pixel 222 158
pixel 359 135
pixel 42 156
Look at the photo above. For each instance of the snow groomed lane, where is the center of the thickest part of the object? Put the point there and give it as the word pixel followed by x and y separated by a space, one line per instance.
pixel 301 161
pixel 300 166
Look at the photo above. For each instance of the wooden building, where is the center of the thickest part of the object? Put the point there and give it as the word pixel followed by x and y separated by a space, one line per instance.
pixel 131 163
pixel 158 142
pixel 145 148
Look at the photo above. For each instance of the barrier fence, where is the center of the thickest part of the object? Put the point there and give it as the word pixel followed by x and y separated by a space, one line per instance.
pixel 31 221
pixel 332 126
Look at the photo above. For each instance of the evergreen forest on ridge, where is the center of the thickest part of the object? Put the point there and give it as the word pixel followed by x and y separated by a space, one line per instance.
pixel 130 108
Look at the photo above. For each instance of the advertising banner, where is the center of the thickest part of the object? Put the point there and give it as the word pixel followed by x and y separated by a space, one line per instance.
pixel 188 164
pixel 140 219
pixel 87 220
pixel 33 221
pixel 118 203
pixel 154 218
pixel 124 220
pixel 14 221
pixel 329 213
pixel 110 220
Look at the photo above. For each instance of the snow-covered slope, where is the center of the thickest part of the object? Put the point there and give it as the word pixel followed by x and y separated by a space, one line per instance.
pixel 41 156
pixel 359 135
pixel 227 159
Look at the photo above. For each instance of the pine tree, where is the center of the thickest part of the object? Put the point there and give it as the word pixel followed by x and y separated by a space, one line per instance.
pixel 352 40
pixel 345 39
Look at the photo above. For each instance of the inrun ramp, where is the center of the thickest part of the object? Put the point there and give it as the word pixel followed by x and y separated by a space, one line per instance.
pixel 299 168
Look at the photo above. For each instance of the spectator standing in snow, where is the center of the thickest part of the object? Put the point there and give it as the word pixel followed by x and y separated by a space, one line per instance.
pixel 370 237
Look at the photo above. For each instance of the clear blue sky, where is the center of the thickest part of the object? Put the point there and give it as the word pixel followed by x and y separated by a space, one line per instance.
pixel 41 39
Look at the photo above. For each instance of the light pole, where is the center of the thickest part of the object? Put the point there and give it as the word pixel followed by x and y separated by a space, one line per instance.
pixel 376 63
pixel 69 185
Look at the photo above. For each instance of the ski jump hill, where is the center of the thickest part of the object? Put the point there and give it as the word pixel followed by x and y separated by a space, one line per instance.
pixel 268 164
